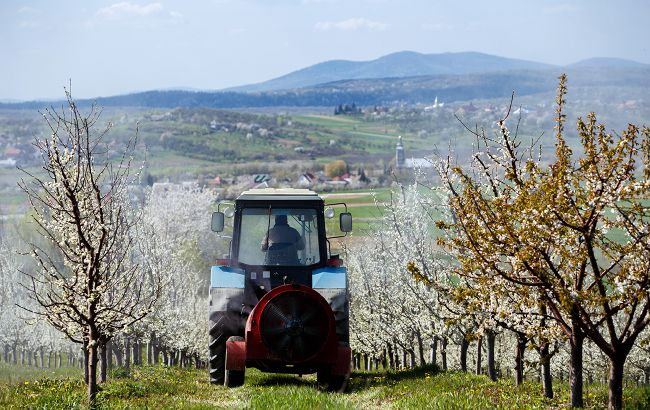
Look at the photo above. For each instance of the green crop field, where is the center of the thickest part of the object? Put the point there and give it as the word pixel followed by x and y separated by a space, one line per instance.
pixel 157 387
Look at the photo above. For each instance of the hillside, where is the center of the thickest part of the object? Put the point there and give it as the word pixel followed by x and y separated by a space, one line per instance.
pixel 607 62
pixel 593 80
pixel 400 64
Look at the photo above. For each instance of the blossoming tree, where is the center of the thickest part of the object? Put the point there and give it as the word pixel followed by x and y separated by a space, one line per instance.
pixel 573 236
pixel 87 288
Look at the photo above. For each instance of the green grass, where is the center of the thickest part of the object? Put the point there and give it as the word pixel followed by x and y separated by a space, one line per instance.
pixel 162 387
pixel 367 208
pixel 10 373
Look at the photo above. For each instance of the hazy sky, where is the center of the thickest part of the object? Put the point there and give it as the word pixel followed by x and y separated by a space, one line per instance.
pixel 115 47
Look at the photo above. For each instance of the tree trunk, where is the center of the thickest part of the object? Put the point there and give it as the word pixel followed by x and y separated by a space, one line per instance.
pixel 434 348
pixel 41 355
pixel 119 355
pixel 519 359
pixel 15 355
pixel 183 359
pixel 127 353
pixel 492 372
pixel 135 346
pixel 443 353
pixel 109 354
pixel 85 362
pixel 547 378
pixel 391 357
pixel 103 363
pixel 418 336
pixel 92 372
pixel 576 341
pixel 412 361
pixel 155 348
pixel 150 344
pixel 616 365
pixel 139 352
pixel 464 345
pixel 479 355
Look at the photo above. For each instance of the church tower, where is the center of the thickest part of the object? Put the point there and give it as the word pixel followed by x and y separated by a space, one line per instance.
pixel 399 154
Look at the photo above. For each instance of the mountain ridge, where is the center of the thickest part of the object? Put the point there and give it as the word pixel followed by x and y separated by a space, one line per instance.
pixel 398 64
pixel 461 76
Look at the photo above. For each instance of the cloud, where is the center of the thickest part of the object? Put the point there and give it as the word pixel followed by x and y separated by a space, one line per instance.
pixel 352 24
pixel 126 9
pixel 149 15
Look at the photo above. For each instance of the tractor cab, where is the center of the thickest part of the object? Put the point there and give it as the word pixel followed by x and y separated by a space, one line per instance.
pixel 279 301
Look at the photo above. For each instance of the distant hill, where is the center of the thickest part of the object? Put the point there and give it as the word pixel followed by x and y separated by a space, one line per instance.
pixel 606 62
pixel 401 64
pixel 405 77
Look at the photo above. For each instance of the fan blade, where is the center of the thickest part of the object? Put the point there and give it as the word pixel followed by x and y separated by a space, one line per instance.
pixel 276 312
pixel 274 331
pixel 293 305
pixel 313 331
pixel 308 314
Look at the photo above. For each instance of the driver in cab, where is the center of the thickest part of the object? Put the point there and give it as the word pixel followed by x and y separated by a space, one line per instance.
pixel 282 243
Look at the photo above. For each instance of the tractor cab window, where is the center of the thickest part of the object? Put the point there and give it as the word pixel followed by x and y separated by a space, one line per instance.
pixel 279 236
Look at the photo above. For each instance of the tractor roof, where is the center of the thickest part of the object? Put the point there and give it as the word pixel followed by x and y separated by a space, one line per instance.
pixel 279 194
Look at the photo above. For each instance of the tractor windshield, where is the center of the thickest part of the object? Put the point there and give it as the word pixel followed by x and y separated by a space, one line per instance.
pixel 279 236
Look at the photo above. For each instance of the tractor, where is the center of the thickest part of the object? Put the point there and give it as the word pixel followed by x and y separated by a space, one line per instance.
pixel 279 300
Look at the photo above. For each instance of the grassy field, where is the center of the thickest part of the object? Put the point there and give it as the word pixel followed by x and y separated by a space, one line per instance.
pixel 163 387
pixel 365 207
pixel 16 374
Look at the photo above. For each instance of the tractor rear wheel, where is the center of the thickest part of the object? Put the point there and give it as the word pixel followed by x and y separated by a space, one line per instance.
pixel 222 326
pixel 332 382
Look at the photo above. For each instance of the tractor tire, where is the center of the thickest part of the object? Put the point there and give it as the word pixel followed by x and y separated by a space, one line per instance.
pixel 222 326
pixel 233 378
pixel 331 382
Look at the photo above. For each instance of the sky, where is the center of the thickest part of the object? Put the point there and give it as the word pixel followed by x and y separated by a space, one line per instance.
pixel 116 47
